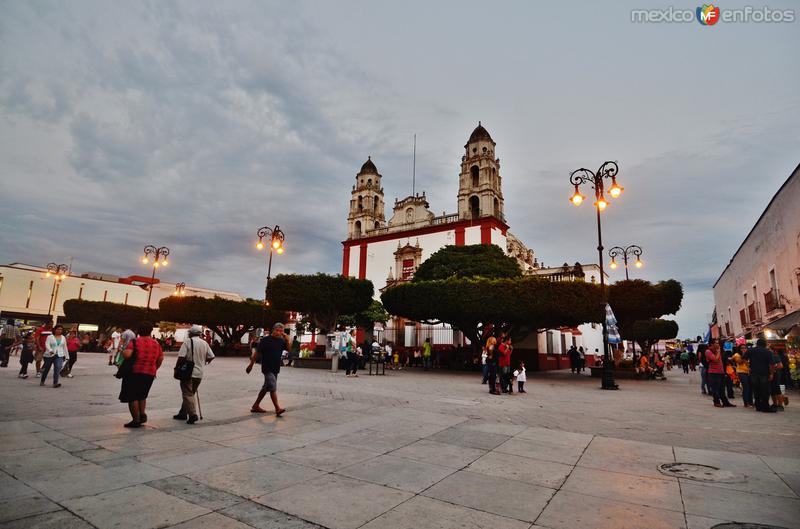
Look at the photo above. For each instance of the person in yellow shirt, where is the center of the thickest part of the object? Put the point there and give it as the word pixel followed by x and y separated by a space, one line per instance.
pixel 743 372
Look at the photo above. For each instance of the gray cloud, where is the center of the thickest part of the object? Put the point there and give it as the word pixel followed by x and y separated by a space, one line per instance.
pixel 190 125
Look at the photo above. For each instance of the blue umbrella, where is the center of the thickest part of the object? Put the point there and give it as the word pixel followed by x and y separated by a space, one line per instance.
pixel 611 326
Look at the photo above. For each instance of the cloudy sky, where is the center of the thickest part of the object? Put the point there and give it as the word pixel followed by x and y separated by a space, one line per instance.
pixel 191 124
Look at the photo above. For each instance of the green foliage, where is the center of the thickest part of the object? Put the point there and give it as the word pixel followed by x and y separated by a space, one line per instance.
pixel 512 304
pixel 228 318
pixel 648 332
pixel 637 299
pixel 107 315
pixel 366 319
pixel 476 260
pixel 321 297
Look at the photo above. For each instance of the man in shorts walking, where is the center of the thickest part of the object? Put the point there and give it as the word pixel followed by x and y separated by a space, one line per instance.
pixel 270 348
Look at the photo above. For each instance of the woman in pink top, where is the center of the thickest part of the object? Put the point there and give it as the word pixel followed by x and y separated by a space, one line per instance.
pixel 716 375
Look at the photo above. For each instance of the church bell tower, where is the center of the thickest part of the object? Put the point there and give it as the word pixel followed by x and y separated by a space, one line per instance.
pixel 479 189
pixel 366 202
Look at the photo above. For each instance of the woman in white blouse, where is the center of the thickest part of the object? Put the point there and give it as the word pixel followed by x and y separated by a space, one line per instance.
pixel 55 351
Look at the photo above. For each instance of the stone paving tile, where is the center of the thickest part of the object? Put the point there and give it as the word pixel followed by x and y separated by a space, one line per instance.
pixel 325 456
pixel 793 481
pixel 756 482
pixel 211 521
pixel 37 461
pixel 374 440
pixel 493 427
pixel 497 495
pixel 55 520
pixel 629 457
pixel 137 507
pixel 321 500
pixel 440 515
pixel 398 473
pixel 409 426
pixel 87 479
pixel 11 487
pixel 740 463
pixel 716 502
pixel 98 454
pixel 701 522
pixel 195 492
pixel 196 460
pixel 26 441
pixel 558 453
pixel 782 465
pixel 568 510
pixel 146 442
pixel 21 507
pixel 469 438
pixel 551 436
pixel 437 453
pixel 21 427
pixel 328 415
pixel 71 444
pixel 255 477
pixel 257 515
pixel 264 444
pixel 533 471
pixel 651 492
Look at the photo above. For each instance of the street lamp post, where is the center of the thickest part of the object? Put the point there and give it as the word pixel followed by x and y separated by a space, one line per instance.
pixel 595 180
pixel 59 273
pixel 626 252
pixel 180 289
pixel 158 256
pixel 276 238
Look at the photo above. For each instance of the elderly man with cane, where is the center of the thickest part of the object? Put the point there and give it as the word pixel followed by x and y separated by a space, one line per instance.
pixel 193 355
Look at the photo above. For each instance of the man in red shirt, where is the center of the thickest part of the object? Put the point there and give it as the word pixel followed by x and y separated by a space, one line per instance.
pixel 504 363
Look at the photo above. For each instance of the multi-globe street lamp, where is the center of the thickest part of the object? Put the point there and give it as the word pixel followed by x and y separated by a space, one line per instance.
pixel 625 253
pixel 274 238
pixel 577 178
pixel 58 272
pixel 157 257
pixel 180 289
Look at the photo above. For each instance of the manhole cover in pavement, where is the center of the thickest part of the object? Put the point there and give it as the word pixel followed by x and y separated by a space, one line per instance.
pixel 700 473
pixel 737 525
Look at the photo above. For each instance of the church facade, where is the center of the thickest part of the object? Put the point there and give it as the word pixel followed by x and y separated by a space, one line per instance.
pixel 389 252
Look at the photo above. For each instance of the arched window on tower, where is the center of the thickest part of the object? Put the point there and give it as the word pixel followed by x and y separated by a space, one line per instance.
pixel 375 202
pixel 377 225
pixel 475 175
pixel 360 203
pixel 369 182
pixel 474 207
pixel 357 229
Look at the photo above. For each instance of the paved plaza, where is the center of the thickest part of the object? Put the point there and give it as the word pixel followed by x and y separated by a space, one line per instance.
pixel 408 450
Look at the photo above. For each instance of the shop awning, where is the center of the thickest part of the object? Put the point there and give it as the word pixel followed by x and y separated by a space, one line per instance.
pixel 786 323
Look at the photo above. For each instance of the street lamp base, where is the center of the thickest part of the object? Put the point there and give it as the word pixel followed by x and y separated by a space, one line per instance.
pixel 608 380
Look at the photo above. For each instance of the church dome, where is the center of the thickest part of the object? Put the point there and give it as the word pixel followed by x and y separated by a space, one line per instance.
pixel 368 167
pixel 479 134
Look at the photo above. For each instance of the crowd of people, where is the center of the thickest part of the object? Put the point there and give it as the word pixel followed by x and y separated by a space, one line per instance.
pixel 762 375
pixel 48 347
pixel 496 364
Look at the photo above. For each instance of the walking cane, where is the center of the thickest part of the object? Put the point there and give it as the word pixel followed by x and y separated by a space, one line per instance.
pixel 197 396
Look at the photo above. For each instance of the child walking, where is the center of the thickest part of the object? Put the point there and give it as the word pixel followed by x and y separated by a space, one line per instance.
pixel 520 374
